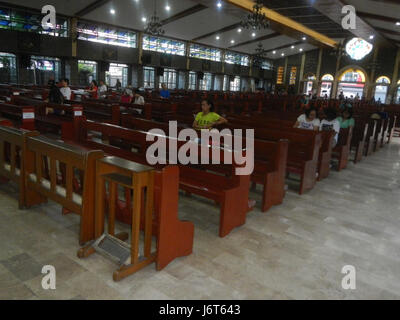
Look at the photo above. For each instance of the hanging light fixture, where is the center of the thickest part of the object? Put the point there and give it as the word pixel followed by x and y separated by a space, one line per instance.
pixel 154 27
pixel 259 55
pixel 257 19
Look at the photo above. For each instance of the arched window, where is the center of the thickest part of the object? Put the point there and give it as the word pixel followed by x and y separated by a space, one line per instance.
pixel 381 88
pixel 351 83
pixel 327 77
pixel 326 86
pixel 309 83
pixel 383 80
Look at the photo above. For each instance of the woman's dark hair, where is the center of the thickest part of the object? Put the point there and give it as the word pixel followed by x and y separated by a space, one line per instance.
pixel 349 111
pixel 94 82
pixel 330 114
pixel 211 104
pixel 308 111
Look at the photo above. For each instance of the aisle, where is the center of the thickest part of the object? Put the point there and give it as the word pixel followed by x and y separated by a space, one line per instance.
pixel 295 251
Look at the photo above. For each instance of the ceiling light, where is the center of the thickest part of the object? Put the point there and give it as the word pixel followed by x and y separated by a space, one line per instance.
pixel 256 20
pixel 112 11
pixel 292 47
pixel 398 23
pixel 304 38
pixel 371 37
pixel 217 37
pixel 219 4
pixel 282 54
pixel 239 30
pixel 301 49
pixel 144 19
pixel 253 34
pixel 274 52
pixel 167 8
pixel 232 41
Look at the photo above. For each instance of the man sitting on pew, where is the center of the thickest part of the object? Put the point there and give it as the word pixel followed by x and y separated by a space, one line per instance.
pixel 308 120
pixel 65 89
pixel 207 119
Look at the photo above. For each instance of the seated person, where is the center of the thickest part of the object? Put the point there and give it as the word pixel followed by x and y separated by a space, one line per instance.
pixel 308 120
pixel 331 123
pixel 207 119
pixel 103 90
pixel 303 102
pixel 65 89
pixel 126 97
pixel 93 90
pixel 164 93
pixel 346 120
pixel 138 98
pixel 55 96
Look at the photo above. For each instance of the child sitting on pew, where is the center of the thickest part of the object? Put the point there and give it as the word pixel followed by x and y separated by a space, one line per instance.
pixel 308 120
pixel 207 119
pixel 346 120
pixel 331 123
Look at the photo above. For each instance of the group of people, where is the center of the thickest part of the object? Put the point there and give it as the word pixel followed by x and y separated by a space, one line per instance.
pixel 330 121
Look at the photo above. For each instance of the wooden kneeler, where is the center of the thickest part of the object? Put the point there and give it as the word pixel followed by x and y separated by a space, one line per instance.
pixel 174 238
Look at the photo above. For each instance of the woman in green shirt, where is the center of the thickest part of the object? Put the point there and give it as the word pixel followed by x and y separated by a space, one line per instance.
pixel 346 120
pixel 207 119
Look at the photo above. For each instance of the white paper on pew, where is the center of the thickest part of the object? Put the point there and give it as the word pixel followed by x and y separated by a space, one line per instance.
pixel 28 115
pixel 78 113
pixel 16 93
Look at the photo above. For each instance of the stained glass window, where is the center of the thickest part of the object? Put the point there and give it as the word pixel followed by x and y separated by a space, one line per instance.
pixel 163 45
pixel 236 58
pixel 353 76
pixel 358 48
pixel 279 79
pixel 266 65
pixel 205 83
pixel 169 78
pixel 105 35
pixel 148 77
pixel 31 22
pixel 201 52
pixel 327 77
pixel 383 79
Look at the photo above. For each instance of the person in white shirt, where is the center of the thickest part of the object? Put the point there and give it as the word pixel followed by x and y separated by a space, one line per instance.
pixel 102 90
pixel 331 124
pixel 65 89
pixel 308 120
pixel 138 98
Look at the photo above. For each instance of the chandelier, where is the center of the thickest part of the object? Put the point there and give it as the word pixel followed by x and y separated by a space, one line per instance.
pixel 256 20
pixel 154 27
pixel 259 55
pixel 339 51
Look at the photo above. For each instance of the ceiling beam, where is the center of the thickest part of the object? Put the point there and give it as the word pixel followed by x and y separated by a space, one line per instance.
pixel 389 31
pixel 296 28
pixel 263 38
pixel 285 46
pixel 222 30
pixel 183 14
pixel 374 16
pixel 93 6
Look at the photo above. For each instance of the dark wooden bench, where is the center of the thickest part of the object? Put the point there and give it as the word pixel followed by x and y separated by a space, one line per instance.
pixel 342 148
pixel 359 137
pixel 231 192
pixel 22 116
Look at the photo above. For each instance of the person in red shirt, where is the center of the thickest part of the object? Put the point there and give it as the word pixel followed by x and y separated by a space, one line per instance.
pixel 93 90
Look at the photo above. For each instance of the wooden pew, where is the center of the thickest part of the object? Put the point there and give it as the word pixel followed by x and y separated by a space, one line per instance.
pixel 342 149
pixel 369 139
pixel 74 188
pixel 23 116
pixel 12 152
pixel 358 141
pixel 230 191
pixel 391 128
pixel 270 160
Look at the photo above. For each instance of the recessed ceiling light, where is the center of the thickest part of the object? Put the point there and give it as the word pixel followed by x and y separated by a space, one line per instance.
pixel 301 49
pixel 167 7
pixel 282 54
pixel 112 11
pixel 398 23
pixel 371 37
pixel 274 52
pixel 239 30
pixel 217 37
pixel 304 38
pixel 253 34
pixel 144 19
pixel 219 4
pixel 292 47
pixel 232 41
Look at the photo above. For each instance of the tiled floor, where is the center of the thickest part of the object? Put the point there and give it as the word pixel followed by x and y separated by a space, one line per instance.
pixel 295 251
